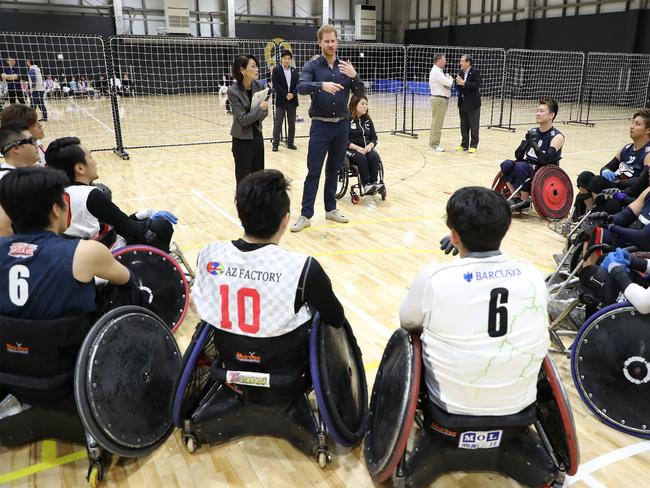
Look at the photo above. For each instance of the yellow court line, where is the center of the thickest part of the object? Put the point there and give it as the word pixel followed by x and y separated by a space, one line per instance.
pixel 43 466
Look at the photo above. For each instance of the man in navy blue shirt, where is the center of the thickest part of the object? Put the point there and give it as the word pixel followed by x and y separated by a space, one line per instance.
pixel 328 80
pixel 11 75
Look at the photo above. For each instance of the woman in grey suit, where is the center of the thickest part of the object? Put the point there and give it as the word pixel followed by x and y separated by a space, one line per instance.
pixel 246 131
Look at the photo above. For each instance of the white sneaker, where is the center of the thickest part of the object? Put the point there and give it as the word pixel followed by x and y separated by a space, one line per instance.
pixel 439 149
pixel 336 216
pixel 301 224
pixel 369 188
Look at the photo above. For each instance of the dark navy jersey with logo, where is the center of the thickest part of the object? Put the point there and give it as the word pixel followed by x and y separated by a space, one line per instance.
pixel 543 142
pixel 36 280
pixel 632 161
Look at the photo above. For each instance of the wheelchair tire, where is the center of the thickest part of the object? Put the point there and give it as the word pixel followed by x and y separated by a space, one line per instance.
pixel 342 179
pixel 552 192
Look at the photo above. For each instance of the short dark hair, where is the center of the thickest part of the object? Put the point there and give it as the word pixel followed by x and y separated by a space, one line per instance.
pixel 20 115
pixel 286 52
pixel 10 133
pixel 240 62
pixel 41 187
pixel 552 105
pixel 480 216
pixel 64 153
pixel 468 58
pixel 437 57
pixel 644 113
pixel 262 201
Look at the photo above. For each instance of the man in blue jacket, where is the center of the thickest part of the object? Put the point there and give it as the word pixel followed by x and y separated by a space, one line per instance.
pixel 285 82
pixel 328 80
pixel 11 74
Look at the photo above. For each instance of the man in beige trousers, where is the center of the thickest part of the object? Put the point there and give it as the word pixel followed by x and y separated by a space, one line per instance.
pixel 440 85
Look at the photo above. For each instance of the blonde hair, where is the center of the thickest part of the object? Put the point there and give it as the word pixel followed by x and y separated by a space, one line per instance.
pixel 325 29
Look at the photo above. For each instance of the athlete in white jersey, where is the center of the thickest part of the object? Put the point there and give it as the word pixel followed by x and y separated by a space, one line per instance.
pixel 258 296
pixel 19 150
pixel 92 214
pixel 483 316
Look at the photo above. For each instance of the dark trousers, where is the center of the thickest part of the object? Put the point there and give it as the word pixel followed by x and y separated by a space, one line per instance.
pixel 280 110
pixel 368 164
pixel 469 120
pixel 15 95
pixel 37 101
pixel 325 138
pixel 516 173
pixel 248 154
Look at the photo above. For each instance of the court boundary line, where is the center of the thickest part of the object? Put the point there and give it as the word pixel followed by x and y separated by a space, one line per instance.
pixel 112 131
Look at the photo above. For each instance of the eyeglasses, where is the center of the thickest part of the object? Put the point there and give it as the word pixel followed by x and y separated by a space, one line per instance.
pixel 7 147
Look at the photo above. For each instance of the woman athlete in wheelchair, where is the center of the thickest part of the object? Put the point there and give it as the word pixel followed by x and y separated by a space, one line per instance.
pixel 361 159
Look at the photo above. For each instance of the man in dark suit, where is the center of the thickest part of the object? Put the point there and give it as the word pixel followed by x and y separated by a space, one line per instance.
pixel 284 79
pixel 468 84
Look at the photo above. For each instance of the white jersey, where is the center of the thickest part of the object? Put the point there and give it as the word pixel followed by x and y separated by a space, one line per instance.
pixel 484 332
pixel 81 223
pixel 5 168
pixel 249 293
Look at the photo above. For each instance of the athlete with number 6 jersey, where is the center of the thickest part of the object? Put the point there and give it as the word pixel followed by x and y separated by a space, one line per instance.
pixel 483 317
pixel 259 297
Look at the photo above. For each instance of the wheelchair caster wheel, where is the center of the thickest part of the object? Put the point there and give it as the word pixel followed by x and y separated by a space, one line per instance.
pixel 191 444
pixel 355 199
pixel 382 192
pixel 94 475
pixel 324 458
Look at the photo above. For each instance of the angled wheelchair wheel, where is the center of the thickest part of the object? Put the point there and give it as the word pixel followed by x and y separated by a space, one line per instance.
pixel 194 379
pixel 393 404
pixel 610 364
pixel 124 378
pixel 499 185
pixel 339 381
pixel 342 179
pixel 552 192
pixel 159 274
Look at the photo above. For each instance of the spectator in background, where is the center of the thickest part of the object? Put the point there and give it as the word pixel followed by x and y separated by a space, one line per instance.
pixel 102 85
pixel 440 86
pixel 49 85
pixel 126 85
pixel 37 88
pixel 468 84
pixel 65 87
pixel 116 83
pixel 74 87
pixel 285 79
pixel 56 88
pixel 11 75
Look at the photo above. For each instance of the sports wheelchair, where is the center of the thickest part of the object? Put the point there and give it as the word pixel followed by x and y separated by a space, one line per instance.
pixel 105 385
pixel 348 171
pixel 213 404
pixel 551 191
pixel 444 442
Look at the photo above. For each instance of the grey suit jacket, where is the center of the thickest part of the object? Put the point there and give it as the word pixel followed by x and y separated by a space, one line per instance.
pixel 243 118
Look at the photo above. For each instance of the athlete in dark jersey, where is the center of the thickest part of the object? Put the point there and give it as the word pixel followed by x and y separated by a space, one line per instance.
pixel 542 146
pixel 627 171
pixel 42 274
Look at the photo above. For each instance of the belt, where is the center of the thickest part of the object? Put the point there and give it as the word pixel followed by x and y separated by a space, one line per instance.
pixel 440 96
pixel 329 119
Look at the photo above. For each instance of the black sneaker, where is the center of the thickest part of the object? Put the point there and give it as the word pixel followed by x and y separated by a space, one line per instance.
pixel 520 206
pixel 292 146
pixel 275 149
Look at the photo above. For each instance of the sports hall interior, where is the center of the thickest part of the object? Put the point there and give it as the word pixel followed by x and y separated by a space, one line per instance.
pixel 166 145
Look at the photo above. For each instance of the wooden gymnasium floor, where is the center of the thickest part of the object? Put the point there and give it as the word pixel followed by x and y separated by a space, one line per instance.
pixel 371 262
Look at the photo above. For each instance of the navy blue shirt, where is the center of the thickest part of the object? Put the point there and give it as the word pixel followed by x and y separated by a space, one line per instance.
pixel 544 143
pixel 632 161
pixel 36 280
pixel 324 104
pixel 11 84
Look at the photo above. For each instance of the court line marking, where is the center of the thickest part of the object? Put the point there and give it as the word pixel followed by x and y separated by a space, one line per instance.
pixel 92 117
pixel 225 214
pixel 48 461
pixel 585 470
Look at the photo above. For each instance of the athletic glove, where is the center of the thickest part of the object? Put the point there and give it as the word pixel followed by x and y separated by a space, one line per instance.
pixel 164 214
pixel 448 246
pixel 623 255
pixel 603 217
pixel 531 137
pixel 612 260
pixel 614 193
pixel 608 174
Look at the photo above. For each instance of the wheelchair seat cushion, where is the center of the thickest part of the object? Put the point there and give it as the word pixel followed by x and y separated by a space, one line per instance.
pixel 455 422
